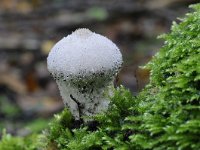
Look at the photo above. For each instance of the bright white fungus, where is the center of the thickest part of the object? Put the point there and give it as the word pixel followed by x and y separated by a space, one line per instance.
pixel 84 65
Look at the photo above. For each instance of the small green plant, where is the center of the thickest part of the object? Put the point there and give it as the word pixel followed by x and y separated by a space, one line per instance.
pixel 9 142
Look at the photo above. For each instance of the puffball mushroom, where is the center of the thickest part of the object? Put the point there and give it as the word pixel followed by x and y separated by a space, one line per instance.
pixel 84 65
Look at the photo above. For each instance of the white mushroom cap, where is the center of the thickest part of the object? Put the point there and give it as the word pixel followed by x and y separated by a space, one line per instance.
pixel 82 53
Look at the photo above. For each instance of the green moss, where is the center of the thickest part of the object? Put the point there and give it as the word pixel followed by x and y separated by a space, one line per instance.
pixel 37 125
pixel 9 142
pixel 173 117
pixel 7 108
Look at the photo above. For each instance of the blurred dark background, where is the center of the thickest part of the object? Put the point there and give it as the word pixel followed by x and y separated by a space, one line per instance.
pixel 29 28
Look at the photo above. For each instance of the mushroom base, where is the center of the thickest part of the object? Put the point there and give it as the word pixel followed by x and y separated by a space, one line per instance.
pixel 83 101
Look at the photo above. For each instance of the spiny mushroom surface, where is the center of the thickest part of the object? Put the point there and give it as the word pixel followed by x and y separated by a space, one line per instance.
pixel 84 65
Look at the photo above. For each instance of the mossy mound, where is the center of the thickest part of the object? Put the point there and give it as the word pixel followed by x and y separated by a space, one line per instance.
pixel 9 142
pixel 172 115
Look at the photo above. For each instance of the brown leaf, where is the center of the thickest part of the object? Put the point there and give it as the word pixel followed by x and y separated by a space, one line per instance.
pixel 13 83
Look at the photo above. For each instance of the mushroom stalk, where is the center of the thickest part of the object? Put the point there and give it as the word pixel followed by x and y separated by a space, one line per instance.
pixel 84 65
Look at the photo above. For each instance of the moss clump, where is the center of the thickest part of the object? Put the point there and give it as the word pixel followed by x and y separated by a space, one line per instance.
pixel 172 117
pixel 9 142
